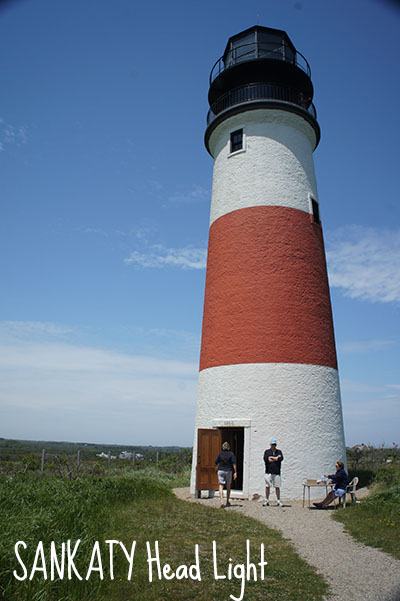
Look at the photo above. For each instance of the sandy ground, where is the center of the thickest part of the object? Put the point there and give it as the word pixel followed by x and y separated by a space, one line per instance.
pixel 354 571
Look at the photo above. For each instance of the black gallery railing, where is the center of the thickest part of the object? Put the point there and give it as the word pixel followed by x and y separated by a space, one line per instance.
pixel 257 51
pixel 260 91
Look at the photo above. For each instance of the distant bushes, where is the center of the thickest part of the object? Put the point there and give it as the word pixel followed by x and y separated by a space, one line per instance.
pixel 374 464
pixel 371 458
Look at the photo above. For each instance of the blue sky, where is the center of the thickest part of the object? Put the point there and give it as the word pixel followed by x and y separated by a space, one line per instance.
pixel 105 204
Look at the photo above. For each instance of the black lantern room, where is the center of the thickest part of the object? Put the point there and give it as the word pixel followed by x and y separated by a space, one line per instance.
pixel 260 67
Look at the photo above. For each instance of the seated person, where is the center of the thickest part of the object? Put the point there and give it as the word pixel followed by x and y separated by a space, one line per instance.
pixel 340 480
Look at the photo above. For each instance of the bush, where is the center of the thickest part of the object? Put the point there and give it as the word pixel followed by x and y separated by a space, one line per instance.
pixel 390 497
pixel 31 462
pixel 388 474
pixel 365 477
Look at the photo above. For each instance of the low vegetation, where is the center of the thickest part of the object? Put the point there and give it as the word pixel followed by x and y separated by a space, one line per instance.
pixel 49 509
pixel 376 520
pixel 127 501
pixel 137 507
pixel 178 526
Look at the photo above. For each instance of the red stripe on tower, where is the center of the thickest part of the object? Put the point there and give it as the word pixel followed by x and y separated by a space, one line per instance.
pixel 267 295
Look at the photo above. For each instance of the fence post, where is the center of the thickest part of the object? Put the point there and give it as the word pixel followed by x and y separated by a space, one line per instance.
pixel 43 460
pixel 79 459
pixel 109 458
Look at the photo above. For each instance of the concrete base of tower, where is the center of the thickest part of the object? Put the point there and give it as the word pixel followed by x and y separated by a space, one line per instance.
pixel 297 404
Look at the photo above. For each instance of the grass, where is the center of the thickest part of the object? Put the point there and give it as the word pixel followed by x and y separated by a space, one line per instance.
pixel 37 509
pixel 375 521
pixel 178 526
pixel 140 507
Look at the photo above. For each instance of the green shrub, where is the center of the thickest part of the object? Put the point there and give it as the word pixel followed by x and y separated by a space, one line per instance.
pixel 388 474
pixel 389 497
pixel 365 477
pixel 31 462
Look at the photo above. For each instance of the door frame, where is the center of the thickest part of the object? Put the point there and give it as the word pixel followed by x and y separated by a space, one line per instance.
pixel 246 425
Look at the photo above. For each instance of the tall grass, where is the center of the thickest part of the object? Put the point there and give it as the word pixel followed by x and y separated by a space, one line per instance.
pixel 154 474
pixel 37 509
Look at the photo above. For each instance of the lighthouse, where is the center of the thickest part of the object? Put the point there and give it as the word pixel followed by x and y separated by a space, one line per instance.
pixel 268 366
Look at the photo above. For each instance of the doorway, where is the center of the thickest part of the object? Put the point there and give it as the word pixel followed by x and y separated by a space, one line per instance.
pixel 235 438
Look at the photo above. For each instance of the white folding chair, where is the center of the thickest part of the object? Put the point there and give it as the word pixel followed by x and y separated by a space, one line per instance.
pixel 351 490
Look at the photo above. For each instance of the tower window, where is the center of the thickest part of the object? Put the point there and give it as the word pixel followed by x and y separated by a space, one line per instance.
pixel 237 140
pixel 315 210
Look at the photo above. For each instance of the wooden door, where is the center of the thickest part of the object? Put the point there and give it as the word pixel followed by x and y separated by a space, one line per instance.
pixel 208 446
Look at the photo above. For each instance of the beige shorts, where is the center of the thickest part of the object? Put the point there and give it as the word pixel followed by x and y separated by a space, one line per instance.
pixel 224 477
pixel 273 480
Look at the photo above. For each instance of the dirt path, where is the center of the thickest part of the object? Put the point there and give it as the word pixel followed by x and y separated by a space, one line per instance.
pixel 354 571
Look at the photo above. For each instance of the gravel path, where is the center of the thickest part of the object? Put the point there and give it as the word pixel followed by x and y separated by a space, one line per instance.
pixel 354 571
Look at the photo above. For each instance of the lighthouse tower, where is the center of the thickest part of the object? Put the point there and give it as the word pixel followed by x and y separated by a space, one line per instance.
pixel 268 366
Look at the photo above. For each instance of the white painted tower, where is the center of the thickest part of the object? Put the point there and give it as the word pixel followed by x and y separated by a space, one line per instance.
pixel 268 364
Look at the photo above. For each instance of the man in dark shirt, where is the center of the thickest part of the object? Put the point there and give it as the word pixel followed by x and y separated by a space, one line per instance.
pixel 225 464
pixel 273 458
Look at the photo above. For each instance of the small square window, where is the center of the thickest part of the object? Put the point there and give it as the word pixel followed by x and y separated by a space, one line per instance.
pixel 315 210
pixel 237 140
